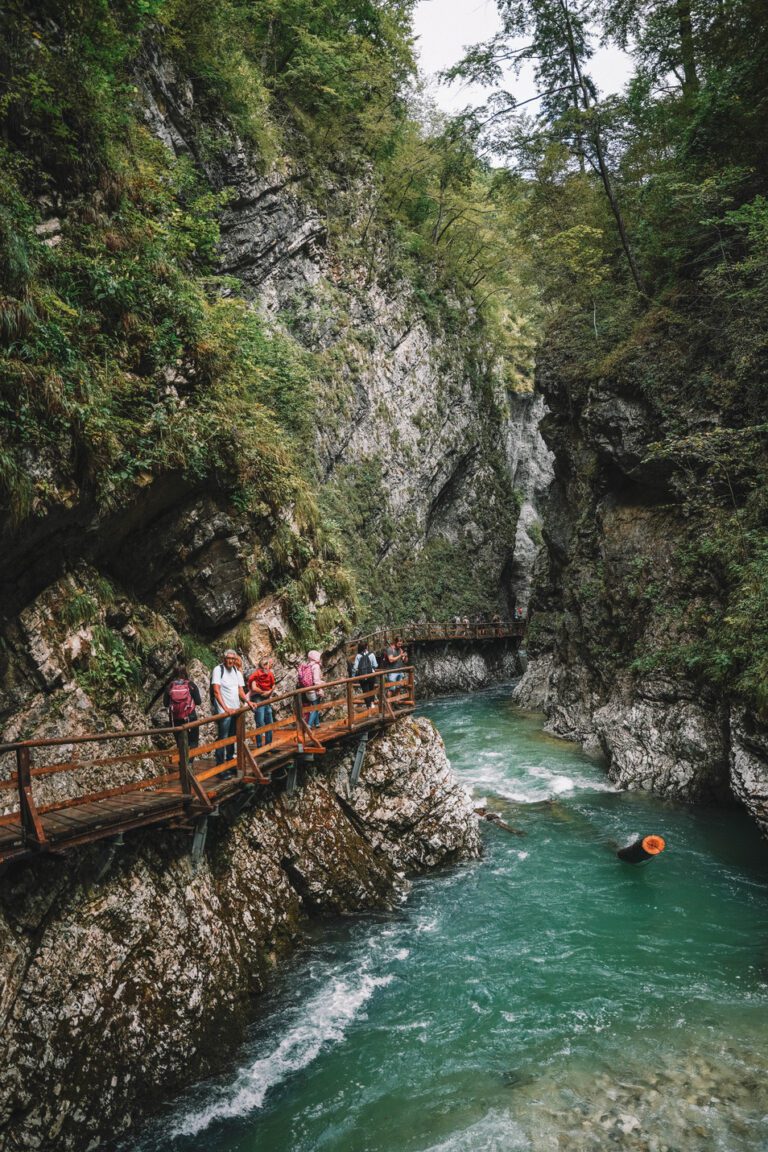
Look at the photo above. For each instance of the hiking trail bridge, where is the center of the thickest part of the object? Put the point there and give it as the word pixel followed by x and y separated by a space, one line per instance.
pixel 49 797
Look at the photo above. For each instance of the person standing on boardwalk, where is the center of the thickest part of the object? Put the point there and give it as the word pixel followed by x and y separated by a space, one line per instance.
pixel 182 699
pixel 310 675
pixel 227 696
pixel 364 663
pixel 397 658
pixel 261 686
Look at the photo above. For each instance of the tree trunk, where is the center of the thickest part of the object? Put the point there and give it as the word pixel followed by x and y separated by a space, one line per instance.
pixel 602 165
pixel 687 54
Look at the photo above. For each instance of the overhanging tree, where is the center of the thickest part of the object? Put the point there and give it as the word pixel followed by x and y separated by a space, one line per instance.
pixel 557 45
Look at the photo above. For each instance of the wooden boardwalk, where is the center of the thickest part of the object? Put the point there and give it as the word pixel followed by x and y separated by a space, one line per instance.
pixel 50 799
pixel 178 784
pixel 426 633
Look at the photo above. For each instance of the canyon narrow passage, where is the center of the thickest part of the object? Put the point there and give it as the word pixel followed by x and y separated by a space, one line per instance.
pixel 545 997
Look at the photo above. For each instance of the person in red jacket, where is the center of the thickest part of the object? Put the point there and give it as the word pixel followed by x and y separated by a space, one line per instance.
pixel 261 687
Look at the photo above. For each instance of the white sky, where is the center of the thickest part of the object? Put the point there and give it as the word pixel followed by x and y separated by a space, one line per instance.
pixel 445 27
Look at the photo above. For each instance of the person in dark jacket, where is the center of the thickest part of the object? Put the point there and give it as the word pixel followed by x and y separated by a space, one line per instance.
pixel 364 663
pixel 182 699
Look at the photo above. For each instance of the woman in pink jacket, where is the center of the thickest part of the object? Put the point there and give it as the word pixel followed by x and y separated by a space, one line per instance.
pixel 316 695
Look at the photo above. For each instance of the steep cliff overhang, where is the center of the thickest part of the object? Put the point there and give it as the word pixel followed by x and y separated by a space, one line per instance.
pixel 146 544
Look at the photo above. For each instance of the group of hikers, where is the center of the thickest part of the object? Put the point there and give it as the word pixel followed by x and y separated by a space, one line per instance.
pixel 464 624
pixel 231 690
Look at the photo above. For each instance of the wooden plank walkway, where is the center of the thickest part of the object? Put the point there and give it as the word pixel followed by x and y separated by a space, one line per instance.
pixel 425 633
pixel 187 782
pixel 182 783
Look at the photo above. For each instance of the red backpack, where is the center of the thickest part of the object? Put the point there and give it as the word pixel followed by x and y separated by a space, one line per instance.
pixel 180 699
pixel 304 675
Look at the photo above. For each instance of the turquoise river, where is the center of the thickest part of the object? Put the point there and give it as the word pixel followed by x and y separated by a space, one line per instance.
pixel 546 997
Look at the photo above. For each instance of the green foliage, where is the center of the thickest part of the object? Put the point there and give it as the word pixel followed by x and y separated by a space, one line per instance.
pixel 79 608
pixel 116 311
pixel 398 582
pixel 684 170
pixel 112 669
pixel 331 70
pixel 252 591
pixel 193 649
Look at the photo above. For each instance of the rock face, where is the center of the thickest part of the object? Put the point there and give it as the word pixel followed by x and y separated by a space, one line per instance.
pixel 531 466
pixel 414 423
pixel 416 429
pixel 612 539
pixel 748 758
pixel 442 669
pixel 127 973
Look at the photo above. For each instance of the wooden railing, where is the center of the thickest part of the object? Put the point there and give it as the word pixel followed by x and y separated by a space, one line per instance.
pixel 421 632
pixel 52 803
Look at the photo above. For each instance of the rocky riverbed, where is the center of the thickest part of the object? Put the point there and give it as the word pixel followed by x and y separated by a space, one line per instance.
pixel 687 1100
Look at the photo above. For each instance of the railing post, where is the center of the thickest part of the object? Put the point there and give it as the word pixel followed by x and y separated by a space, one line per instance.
pixel 240 742
pixel 298 716
pixel 382 696
pixel 30 820
pixel 350 704
pixel 184 768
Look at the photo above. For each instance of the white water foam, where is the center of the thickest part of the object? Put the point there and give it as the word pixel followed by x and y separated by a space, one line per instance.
pixel 496 1132
pixel 529 783
pixel 320 1021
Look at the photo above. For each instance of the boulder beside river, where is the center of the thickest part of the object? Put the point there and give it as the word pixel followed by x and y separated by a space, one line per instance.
pixel 129 972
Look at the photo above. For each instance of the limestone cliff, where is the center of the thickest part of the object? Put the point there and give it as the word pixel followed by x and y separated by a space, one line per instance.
pixel 427 460
pixel 427 464
pixel 614 597
pixel 129 972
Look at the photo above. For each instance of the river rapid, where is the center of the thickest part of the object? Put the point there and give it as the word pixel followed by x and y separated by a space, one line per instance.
pixel 545 998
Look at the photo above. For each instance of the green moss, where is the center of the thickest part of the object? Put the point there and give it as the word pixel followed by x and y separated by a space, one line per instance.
pixel 401 580
pixel 193 648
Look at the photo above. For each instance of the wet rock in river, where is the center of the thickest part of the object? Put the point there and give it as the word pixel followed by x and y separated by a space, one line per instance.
pixel 120 986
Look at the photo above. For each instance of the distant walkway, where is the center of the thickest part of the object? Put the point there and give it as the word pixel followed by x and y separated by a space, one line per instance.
pixel 49 788
pixel 423 631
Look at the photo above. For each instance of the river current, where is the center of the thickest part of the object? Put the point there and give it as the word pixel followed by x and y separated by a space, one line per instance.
pixel 545 998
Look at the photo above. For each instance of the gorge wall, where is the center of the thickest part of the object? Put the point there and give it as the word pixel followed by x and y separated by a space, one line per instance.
pixel 428 461
pixel 621 600
pixel 379 441
pixel 236 409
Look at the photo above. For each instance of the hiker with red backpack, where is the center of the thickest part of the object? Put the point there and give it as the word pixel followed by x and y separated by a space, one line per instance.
pixel 309 674
pixel 182 697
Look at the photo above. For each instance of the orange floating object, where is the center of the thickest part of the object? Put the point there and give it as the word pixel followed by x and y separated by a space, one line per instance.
pixel 642 849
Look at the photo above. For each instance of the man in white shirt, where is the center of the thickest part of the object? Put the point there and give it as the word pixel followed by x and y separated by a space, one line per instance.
pixel 228 693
